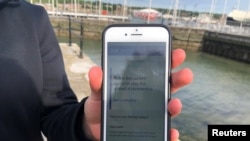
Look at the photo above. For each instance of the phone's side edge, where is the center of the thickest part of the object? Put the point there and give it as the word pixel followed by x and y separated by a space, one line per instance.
pixel 103 77
pixel 102 89
pixel 170 78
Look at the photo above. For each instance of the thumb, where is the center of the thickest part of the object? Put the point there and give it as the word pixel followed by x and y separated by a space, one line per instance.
pixel 95 82
pixel 92 107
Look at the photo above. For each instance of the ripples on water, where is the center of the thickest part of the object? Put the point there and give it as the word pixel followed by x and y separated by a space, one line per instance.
pixel 219 94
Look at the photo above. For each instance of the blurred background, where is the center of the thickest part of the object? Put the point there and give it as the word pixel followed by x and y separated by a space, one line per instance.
pixel 214 34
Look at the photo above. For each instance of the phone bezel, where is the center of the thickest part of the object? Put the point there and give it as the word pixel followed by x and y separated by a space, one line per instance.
pixel 136 33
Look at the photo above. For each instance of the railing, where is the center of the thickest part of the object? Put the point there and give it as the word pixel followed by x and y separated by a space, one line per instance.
pixel 72 27
pixel 79 27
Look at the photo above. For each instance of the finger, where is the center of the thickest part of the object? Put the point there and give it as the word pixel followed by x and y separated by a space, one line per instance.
pixel 178 57
pixel 95 82
pixel 92 106
pixel 181 78
pixel 174 135
pixel 174 107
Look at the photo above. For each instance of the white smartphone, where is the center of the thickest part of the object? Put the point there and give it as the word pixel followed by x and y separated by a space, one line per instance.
pixel 136 63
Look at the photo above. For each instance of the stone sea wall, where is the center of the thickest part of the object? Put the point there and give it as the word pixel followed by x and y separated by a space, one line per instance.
pixel 230 46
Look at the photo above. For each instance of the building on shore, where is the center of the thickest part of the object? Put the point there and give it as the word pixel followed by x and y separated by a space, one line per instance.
pixel 145 14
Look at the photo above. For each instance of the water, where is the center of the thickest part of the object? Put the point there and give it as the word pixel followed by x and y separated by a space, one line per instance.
pixel 219 93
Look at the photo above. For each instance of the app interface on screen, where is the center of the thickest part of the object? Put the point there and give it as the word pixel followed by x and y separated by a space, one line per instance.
pixel 136 91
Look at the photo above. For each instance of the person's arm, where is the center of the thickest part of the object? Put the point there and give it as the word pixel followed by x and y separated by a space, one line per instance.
pixel 61 114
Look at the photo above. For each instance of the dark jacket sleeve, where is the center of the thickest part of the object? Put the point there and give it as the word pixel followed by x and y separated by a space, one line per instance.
pixel 61 113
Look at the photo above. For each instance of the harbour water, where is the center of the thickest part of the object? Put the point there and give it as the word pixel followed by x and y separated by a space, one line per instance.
pixel 219 93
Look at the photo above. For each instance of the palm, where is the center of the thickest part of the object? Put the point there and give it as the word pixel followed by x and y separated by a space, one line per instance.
pixel 92 109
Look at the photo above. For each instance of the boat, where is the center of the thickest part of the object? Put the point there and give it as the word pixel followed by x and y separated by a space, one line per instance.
pixel 238 17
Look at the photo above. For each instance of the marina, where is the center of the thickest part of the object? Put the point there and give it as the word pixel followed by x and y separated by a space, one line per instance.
pixel 217 53
pixel 218 94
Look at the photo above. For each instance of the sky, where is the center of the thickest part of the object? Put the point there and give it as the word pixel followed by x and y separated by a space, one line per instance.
pixel 220 6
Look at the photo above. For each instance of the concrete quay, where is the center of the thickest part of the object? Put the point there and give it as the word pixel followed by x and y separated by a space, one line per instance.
pixel 77 69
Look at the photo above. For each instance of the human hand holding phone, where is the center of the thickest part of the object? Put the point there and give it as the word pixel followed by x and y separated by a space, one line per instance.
pixel 92 108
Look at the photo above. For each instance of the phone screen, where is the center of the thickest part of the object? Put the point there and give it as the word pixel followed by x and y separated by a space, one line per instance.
pixel 136 91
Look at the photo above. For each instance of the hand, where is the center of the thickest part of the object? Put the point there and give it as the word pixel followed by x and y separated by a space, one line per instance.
pixel 92 106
